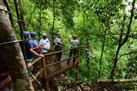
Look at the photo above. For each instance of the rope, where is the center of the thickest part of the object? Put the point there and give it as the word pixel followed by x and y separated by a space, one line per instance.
pixel 3 8
pixel 10 42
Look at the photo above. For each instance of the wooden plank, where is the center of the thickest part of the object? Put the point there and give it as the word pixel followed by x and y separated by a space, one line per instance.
pixel 36 60
pixel 60 71
pixel 60 61
pixel 58 67
pixel 52 70
pixel 38 72
pixel 45 68
pixel 117 81
pixel 55 69
pixel 63 67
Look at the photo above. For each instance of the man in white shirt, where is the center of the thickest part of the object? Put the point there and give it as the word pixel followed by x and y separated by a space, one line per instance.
pixel 44 43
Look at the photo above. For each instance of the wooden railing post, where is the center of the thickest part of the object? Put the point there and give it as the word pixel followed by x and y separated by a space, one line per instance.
pixel 76 65
pixel 45 68
pixel 76 74
pixel 78 53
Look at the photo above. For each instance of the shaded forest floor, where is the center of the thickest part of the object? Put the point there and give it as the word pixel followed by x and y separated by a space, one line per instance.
pixel 64 84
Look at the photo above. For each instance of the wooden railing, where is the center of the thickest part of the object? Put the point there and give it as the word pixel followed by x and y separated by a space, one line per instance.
pixel 54 68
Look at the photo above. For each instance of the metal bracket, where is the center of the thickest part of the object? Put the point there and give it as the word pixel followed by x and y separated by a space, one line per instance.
pixel 3 8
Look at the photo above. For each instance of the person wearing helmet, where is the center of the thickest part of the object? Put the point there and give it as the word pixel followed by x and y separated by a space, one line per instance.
pixel 58 47
pixel 26 34
pixel 35 48
pixel 33 41
pixel 44 43
pixel 25 46
pixel 26 52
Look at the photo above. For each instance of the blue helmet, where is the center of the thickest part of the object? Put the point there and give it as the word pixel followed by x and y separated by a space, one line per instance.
pixel 33 34
pixel 26 33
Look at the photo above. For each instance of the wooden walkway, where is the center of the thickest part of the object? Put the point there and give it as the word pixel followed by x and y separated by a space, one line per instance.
pixel 59 67
pixel 51 68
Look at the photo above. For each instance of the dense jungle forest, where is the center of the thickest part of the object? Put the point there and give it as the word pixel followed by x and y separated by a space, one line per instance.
pixel 107 35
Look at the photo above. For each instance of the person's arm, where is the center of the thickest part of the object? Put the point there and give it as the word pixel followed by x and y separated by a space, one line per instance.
pixel 41 43
pixel 35 53
pixel 32 48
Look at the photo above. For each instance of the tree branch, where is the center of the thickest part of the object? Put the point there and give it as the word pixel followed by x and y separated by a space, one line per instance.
pixel 129 25
pixel 133 52
pixel 121 43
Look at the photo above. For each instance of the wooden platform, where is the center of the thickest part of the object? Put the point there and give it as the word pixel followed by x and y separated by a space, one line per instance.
pixel 58 67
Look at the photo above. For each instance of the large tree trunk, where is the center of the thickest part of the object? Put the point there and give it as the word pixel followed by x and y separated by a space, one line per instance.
pixel 12 52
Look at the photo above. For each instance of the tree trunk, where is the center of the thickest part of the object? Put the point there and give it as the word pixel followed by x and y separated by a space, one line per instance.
pixel 102 52
pixel 121 43
pixel 12 52
pixel 40 22
pixel 53 22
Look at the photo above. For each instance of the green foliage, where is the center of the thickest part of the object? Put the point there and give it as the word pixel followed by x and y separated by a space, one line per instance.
pixel 67 10
pixel 88 19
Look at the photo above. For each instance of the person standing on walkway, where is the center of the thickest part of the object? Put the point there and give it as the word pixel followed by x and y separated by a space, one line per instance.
pixel 74 47
pixel 26 50
pixel 58 47
pixel 35 48
pixel 44 43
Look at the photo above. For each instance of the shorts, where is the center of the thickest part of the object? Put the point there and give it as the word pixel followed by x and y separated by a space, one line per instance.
pixel 30 61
